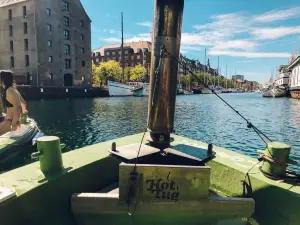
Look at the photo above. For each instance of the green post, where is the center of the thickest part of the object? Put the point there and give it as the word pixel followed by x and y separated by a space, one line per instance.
pixel 49 154
pixel 276 158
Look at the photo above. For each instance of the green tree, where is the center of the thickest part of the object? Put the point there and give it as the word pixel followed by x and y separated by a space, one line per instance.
pixel 96 75
pixel 137 73
pixel 127 73
pixel 110 70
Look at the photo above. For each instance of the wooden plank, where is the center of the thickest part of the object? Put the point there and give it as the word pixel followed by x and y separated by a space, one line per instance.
pixel 213 207
pixel 130 151
pixel 6 194
pixel 165 182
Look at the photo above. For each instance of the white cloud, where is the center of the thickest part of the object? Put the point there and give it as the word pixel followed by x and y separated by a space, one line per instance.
pixel 145 24
pixel 245 61
pixel 112 40
pixel 276 15
pixel 250 54
pixel 236 44
pixel 192 48
pixel 274 33
pixel 112 31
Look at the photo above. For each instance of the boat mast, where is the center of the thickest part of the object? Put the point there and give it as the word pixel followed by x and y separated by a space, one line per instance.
pixel 165 52
pixel 122 48
pixel 226 77
pixel 205 66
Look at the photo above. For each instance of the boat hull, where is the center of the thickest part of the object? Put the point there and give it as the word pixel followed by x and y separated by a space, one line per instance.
pixel 278 92
pixel 119 89
pixel 206 91
pixel 295 93
pixel 267 94
pixel 229 168
pixel 14 143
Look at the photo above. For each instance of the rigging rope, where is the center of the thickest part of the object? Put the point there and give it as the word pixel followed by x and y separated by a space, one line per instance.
pixel 249 124
pixel 134 175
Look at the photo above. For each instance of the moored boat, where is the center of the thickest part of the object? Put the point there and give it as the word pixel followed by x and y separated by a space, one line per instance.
pixel 119 89
pixel 14 142
pixel 137 86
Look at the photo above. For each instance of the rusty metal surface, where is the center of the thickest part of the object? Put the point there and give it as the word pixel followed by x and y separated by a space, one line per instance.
pixel 166 31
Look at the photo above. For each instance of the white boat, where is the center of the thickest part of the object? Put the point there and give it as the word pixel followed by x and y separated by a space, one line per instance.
pixel 267 91
pixel 145 87
pixel 179 89
pixel 206 91
pixel 281 83
pixel 278 91
pixel 119 89
pixel 294 82
pixel 186 92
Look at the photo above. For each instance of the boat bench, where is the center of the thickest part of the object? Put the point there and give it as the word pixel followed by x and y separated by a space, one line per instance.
pixel 161 193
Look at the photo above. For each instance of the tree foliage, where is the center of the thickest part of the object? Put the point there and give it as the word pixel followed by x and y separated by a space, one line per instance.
pixel 112 70
pixel 137 73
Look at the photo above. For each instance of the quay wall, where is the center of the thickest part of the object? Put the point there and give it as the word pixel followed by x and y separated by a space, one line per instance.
pixel 36 93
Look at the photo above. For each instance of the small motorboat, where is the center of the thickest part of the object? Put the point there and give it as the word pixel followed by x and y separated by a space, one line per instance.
pixel 14 142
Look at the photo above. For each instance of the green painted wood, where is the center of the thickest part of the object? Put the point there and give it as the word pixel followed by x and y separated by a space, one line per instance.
pixel 280 153
pixel 91 208
pixel 49 154
pixel 46 200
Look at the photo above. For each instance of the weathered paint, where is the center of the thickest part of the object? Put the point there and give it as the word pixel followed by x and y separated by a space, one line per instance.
pixel 46 200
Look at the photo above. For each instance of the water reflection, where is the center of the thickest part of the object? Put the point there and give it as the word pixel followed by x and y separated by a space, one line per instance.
pixel 81 122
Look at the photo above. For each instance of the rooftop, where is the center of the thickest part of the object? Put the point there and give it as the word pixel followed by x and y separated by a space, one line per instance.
pixel 133 45
pixel 4 3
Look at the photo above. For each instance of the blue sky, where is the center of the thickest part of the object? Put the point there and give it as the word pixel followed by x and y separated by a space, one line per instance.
pixel 251 37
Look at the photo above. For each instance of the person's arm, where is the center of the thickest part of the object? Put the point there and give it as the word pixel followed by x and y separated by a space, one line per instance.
pixel 23 103
pixel 13 97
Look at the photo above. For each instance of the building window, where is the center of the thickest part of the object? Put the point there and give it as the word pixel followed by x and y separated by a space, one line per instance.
pixel 67 34
pixel 50 59
pixel 81 23
pixel 12 62
pixel 48 11
pixel 97 60
pixel 51 76
pixel 66 21
pixel 49 43
pixel 113 53
pixel 24 12
pixel 126 57
pixel 107 53
pixel 67 49
pixel 138 56
pixel 82 50
pixel 25 28
pixel 10 14
pixel 11 45
pixel 82 37
pixel 26 44
pixel 68 63
pixel 10 30
pixel 49 27
pixel 83 63
pixel 26 60
pixel 66 5
pixel 126 52
pixel 132 57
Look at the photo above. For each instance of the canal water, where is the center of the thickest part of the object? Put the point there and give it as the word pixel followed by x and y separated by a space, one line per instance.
pixel 82 122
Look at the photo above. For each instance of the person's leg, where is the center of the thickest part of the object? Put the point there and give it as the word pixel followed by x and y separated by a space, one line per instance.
pixel 5 127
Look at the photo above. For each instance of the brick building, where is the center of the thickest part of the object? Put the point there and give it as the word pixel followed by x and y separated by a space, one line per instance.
pixel 46 43
pixel 140 53
pixel 135 53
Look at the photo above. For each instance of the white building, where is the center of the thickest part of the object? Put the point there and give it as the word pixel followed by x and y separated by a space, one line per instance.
pixel 294 82
pixel 282 78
